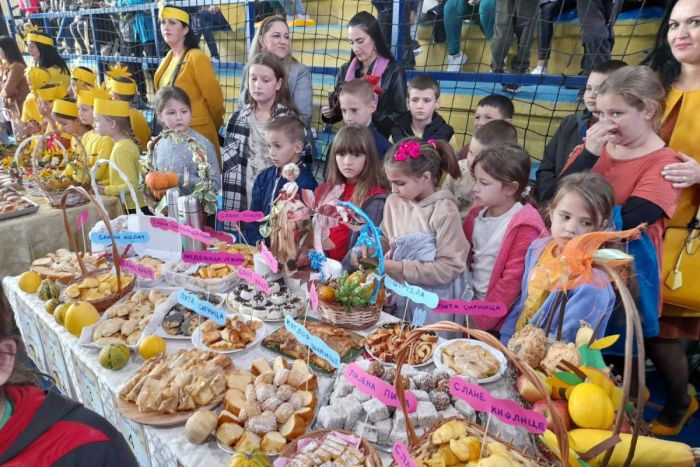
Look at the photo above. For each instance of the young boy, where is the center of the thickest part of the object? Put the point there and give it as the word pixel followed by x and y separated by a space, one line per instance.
pixel 422 119
pixel 570 134
pixel 124 89
pixel 357 105
pixel 491 134
pixel 285 135
pixel 493 107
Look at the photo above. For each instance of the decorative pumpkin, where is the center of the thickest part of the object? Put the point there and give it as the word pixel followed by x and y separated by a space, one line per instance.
pixel 326 293
pixel 48 290
pixel 199 426
pixel 250 458
pixel 157 182
pixel 114 356
pixel 590 407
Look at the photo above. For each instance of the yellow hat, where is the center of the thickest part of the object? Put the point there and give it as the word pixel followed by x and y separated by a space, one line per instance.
pixel 119 71
pixel 126 89
pixel 88 96
pixel 37 77
pixel 175 13
pixel 51 92
pixel 40 38
pixel 111 108
pixel 67 108
pixel 86 76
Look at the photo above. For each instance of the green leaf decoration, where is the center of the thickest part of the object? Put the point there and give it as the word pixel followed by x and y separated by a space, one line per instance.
pixel 604 342
pixel 591 358
pixel 568 378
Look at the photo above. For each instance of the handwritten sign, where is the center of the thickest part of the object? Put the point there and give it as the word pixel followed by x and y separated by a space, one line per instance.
pixel 240 216
pixel 419 315
pixel 164 223
pixel 203 307
pixel 412 292
pixel 315 343
pixel 135 437
pixel 377 388
pixel 120 238
pixel 401 455
pixel 256 280
pixel 138 269
pixel 212 257
pixel 82 219
pixel 268 258
pixel 194 233
pixel 313 297
pixel 505 410
pixel 221 236
pixel 475 307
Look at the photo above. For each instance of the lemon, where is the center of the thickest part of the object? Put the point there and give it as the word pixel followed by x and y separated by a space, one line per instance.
pixel 151 346
pixel 80 315
pixel 29 282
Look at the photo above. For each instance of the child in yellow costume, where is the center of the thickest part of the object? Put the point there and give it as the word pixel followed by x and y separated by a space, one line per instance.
pixel 96 146
pixel 123 88
pixel 32 120
pixel 82 78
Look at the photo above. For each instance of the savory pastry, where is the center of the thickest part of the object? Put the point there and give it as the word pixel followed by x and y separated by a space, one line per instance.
pixel 385 342
pixel 124 321
pixel 470 360
pixel 236 334
pixel 62 266
pixel 331 449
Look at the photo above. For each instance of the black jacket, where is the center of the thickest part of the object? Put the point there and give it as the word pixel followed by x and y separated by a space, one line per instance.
pixel 392 101
pixel 567 137
pixel 438 128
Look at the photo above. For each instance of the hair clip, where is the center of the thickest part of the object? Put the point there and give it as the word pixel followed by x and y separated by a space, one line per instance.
pixel 431 142
pixel 526 192
pixel 407 149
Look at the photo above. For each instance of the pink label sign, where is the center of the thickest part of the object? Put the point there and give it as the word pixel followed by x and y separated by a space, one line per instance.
pixel 138 269
pixel 377 388
pixel 401 455
pixel 505 410
pixel 256 280
pixel 268 258
pixel 240 216
pixel 212 257
pixel 82 219
pixel 313 296
pixel 164 223
pixel 221 236
pixel 475 307
pixel 194 233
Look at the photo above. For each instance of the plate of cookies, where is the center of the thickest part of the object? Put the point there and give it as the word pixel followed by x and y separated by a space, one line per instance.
pixel 200 276
pixel 180 322
pixel 384 344
pixel 239 333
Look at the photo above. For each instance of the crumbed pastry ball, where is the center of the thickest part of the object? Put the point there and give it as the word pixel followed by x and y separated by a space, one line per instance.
pixel 376 369
pixel 425 382
pixel 440 400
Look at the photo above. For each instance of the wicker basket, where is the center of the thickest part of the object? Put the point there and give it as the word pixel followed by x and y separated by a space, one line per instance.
pixel 23 160
pixel 103 303
pixel 55 197
pixel 366 448
pixel 357 318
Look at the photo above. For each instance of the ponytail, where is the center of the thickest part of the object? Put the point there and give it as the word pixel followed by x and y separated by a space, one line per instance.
pixel 416 157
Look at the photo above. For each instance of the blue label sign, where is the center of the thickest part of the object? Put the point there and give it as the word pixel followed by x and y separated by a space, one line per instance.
pixel 315 343
pixel 203 307
pixel 412 292
pixel 120 237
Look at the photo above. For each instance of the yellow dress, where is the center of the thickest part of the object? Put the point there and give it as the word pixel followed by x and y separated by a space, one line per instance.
pixel 30 110
pixel 98 147
pixel 125 154
pixel 140 127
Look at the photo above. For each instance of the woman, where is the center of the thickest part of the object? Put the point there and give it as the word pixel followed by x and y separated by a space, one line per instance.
pixel 273 36
pixel 41 428
pixel 676 58
pixel 188 68
pixel 13 84
pixel 368 51
pixel 41 48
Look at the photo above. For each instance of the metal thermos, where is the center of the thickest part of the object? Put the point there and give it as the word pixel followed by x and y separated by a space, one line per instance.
pixel 194 216
pixel 171 196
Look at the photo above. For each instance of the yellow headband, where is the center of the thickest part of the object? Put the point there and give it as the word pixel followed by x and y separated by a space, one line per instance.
pixel 41 39
pixel 86 76
pixel 88 96
pixel 37 77
pixel 67 108
pixel 175 13
pixel 119 71
pixel 51 92
pixel 110 108
pixel 126 89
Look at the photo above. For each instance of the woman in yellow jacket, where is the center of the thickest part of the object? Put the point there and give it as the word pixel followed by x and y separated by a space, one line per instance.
pixel 188 68
pixel 41 48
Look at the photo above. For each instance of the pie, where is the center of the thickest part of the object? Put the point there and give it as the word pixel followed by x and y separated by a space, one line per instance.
pixel 124 321
pixel 470 360
pixel 385 342
pixel 236 334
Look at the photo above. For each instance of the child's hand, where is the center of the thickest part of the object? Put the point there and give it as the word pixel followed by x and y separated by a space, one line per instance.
pixel 393 267
pixel 327 111
pixel 597 135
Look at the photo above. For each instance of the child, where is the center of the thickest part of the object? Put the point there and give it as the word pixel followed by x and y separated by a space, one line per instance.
pixel 285 137
pixel 583 203
pixel 500 227
pixel 421 223
pixel 82 78
pixel 44 99
pixel 422 119
pixel 31 119
pixel 246 152
pixel 112 119
pixel 173 109
pixel 493 107
pixel 491 134
pixel 354 163
pixel 357 104
pixel 65 114
pixel 571 133
pixel 124 89
pixel 96 146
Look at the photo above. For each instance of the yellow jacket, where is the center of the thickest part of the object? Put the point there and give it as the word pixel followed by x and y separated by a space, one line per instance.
pixel 140 127
pixel 196 77
pixel 98 147
pixel 30 110
pixel 125 155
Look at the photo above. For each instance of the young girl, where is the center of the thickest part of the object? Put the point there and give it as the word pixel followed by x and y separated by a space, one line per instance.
pixel 124 89
pixel 500 227
pixel 82 78
pixel 32 121
pixel 354 162
pixel 245 150
pixel 583 203
pixel 172 106
pixel 65 114
pixel 112 119
pixel 422 223
pixel 44 99
pixel 96 146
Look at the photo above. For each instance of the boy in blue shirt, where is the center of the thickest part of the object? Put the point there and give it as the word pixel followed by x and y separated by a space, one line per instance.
pixel 357 103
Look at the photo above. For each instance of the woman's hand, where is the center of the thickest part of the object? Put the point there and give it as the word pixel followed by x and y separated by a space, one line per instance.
pixel 682 174
pixel 597 135
pixel 327 111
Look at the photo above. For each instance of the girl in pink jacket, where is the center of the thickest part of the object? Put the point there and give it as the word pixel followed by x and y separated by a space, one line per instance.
pixel 501 227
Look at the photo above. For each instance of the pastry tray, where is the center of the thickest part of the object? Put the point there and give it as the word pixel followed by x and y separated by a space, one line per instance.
pixel 31 209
